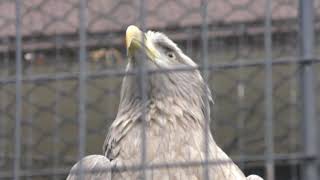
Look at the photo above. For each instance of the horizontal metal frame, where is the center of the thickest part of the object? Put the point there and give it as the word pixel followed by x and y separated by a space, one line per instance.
pixel 111 73
pixel 300 157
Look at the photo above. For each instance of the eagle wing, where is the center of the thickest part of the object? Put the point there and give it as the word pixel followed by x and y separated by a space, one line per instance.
pixel 94 167
pixel 254 177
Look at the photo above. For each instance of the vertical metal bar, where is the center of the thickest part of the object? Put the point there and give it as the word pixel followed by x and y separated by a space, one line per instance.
pixel 190 42
pixel 3 122
pixel 205 73
pixel 143 94
pixel 18 91
pixel 82 117
pixel 3 104
pixel 306 13
pixel 269 93
pixel 56 109
pixel 240 98
pixel 292 126
pixel 30 122
pixel 30 112
pixel 57 119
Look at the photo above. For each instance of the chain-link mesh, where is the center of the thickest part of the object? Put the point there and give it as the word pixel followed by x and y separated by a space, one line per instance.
pixel 237 32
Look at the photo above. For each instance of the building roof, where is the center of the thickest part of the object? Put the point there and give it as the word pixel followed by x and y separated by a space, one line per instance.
pixel 49 17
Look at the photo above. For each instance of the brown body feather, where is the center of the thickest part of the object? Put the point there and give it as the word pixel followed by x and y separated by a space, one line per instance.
pixel 175 133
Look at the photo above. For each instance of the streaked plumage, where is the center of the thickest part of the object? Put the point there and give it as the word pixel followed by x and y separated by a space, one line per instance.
pixel 174 115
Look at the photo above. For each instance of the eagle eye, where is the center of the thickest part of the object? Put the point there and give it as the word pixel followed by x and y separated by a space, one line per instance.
pixel 171 55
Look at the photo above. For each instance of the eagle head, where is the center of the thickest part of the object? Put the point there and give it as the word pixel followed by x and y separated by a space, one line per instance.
pixel 152 51
pixel 160 51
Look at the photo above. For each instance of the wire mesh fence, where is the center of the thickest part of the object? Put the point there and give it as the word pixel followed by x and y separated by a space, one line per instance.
pixel 62 63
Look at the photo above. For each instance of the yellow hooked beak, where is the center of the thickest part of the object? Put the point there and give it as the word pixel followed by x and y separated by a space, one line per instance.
pixel 136 39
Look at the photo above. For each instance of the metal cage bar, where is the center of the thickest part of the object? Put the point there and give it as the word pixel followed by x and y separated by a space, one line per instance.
pixel 205 73
pixel 269 139
pixel 80 41
pixel 306 13
pixel 18 91
pixel 143 83
pixel 82 83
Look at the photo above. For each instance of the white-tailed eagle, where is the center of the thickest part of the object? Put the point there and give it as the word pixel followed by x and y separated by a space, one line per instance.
pixel 174 115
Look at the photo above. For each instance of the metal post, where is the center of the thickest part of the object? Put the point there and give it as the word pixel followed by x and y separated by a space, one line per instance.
pixel 143 84
pixel 82 81
pixel 205 74
pixel 18 91
pixel 30 119
pixel 306 14
pixel 241 85
pixel 269 140
pixel 3 103
pixel 57 118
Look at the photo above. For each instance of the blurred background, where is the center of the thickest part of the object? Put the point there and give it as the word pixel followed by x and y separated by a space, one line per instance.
pixel 62 62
